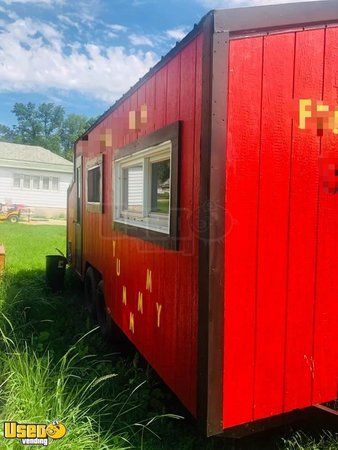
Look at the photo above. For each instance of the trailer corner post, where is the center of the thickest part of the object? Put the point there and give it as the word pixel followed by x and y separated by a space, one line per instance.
pixel 212 234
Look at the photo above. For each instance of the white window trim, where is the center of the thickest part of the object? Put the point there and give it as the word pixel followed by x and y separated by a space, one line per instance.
pixel 146 219
pixel 40 188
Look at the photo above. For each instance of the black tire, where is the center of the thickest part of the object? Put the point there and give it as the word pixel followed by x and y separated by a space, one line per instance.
pixel 109 330
pixel 13 219
pixel 104 319
pixel 90 290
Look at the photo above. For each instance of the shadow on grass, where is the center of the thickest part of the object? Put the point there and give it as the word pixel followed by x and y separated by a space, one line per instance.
pixel 43 323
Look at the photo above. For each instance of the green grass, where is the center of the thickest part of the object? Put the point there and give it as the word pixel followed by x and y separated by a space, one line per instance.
pixel 55 365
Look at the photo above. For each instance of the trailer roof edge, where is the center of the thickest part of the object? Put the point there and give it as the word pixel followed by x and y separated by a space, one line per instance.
pixel 280 16
pixel 238 21
pixel 164 59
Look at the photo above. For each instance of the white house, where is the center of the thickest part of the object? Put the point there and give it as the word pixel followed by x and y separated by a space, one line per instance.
pixel 34 177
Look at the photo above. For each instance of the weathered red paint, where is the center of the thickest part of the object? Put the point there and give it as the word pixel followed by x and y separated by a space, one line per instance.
pixel 280 344
pixel 280 246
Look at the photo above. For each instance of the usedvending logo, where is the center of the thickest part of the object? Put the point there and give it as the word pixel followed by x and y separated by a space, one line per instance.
pixel 33 433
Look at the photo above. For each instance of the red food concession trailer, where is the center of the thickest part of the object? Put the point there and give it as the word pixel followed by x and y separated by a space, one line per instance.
pixel 203 217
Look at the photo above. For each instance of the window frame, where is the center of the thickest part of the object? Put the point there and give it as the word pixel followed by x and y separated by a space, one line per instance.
pixel 95 207
pixel 143 158
pixel 19 176
pixel 32 177
pixel 137 151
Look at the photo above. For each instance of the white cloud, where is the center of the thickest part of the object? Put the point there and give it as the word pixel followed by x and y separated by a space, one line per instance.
pixel 38 2
pixel 10 14
pixel 177 33
pixel 68 21
pixel 116 27
pixel 33 59
pixel 139 39
pixel 214 4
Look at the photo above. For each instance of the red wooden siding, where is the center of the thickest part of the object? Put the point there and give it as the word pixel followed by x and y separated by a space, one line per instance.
pixel 281 249
pixel 173 93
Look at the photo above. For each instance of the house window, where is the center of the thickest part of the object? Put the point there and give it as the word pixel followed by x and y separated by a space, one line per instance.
pixel 17 181
pixel 45 183
pixel 94 184
pixel 26 182
pixel 55 183
pixel 145 187
pixel 36 182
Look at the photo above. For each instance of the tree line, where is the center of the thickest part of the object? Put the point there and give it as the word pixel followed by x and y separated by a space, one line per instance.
pixel 46 125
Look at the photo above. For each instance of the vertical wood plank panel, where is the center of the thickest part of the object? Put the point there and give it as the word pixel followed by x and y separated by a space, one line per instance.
pixel 325 383
pixel 171 261
pixel 273 223
pixel 303 225
pixel 242 184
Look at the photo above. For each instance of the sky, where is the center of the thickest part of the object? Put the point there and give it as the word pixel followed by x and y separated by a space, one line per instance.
pixel 84 54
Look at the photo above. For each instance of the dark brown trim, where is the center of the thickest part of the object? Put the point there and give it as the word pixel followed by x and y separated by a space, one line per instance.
pixel 320 415
pixel 95 207
pixel 272 17
pixel 155 237
pixel 212 217
pixel 167 133
pixel 203 248
pixel 260 425
pixel 217 230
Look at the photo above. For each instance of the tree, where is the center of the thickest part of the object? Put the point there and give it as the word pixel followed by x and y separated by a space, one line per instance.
pixel 46 125
pixel 51 117
pixel 73 127
pixel 7 134
pixel 29 127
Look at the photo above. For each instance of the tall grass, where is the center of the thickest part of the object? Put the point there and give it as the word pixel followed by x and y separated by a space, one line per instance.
pixel 55 365
pixel 301 441
pixel 37 390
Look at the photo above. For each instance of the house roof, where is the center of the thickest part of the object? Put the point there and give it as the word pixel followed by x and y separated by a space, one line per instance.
pixel 32 157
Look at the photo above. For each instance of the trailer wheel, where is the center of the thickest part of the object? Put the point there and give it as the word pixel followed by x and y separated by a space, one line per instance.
pixel 110 331
pixel 103 317
pixel 90 287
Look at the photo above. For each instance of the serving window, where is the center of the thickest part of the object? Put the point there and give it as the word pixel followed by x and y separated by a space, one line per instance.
pixel 145 176
pixel 94 184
